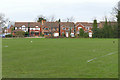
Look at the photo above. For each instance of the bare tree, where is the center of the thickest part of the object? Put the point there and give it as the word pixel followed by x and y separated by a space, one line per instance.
pixel 2 20
pixel 70 19
pixel 51 18
pixel 113 14
pixel 40 18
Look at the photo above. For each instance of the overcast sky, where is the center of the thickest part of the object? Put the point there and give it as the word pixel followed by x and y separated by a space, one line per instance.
pixel 81 10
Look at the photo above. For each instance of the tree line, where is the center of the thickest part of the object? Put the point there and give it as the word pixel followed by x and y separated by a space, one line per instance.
pixel 108 30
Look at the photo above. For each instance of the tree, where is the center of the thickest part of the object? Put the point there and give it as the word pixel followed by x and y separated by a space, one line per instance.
pixel 12 29
pixel 59 27
pixel 118 19
pixel 26 34
pixel 40 18
pixel 70 19
pixel 20 34
pixel 110 30
pixel 51 18
pixel 81 32
pixel 95 29
pixel 2 20
pixel 63 34
pixel 85 35
pixel 106 29
pixel 70 32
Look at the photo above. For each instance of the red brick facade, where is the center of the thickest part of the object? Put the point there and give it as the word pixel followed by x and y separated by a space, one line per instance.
pixel 52 28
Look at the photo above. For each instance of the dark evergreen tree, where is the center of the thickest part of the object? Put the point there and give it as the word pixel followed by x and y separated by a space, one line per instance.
pixel 118 22
pixel 105 29
pixel 81 33
pixel 59 27
pixel 40 19
pixel 94 29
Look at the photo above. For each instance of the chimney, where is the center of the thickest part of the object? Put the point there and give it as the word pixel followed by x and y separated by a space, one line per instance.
pixel 42 22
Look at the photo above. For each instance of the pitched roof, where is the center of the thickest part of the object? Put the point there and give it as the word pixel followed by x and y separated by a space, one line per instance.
pixel 101 24
pixel 85 24
pixel 26 24
pixel 56 24
pixel 51 24
pixel 17 30
pixel 67 24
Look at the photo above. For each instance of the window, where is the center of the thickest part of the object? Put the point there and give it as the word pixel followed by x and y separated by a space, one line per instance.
pixel 46 28
pixel 15 28
pixel 32 28
pixel 79 28
pixel 23 26
pixel 88 28
pixel 19 27
pixel 63 28
pixel 37 28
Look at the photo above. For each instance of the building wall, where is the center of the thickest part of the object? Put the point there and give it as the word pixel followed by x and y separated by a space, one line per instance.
pixel 50 32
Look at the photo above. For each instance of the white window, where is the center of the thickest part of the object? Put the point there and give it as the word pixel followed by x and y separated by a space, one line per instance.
pixel 26 29
pixel 23 26
pixel 72 34
pixel 79 28
pixel 19 27
pixel 67 35
pixel 15 28
pixel 37 28
pixel 90 34
pixel 32 28
pixel 56 34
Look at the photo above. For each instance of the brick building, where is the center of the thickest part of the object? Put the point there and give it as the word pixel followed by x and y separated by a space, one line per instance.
pixel 54 29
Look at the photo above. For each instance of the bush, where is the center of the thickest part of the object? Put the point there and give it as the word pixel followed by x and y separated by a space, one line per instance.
pixel 85 35
pixel 19 34
pixel 26 34
pixel 9 35
pixel 63 35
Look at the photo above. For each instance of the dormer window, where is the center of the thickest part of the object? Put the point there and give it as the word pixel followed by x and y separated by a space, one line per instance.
pixel 46 28
pixel 64 28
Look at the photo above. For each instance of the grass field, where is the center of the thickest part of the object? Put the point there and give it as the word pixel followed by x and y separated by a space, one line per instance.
pixel 60 58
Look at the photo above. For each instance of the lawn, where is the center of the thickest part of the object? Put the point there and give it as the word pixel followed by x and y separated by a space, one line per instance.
pixel 60 58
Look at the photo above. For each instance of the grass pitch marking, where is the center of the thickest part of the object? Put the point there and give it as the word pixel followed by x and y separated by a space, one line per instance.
pixel 102 56
pixel 6 46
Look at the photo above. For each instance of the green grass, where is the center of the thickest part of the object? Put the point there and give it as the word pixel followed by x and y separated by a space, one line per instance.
pixel 59 58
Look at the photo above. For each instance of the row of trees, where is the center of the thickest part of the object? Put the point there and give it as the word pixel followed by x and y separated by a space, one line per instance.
pixel 52 18
pixel 108 31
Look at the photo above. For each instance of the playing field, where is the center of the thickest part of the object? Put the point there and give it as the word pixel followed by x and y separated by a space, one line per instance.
pixel 60 58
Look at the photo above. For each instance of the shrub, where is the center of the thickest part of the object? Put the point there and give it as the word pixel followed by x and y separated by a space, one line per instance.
pixel 85 35
pixel 9 35
pixel 20 34
pixel 26 34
